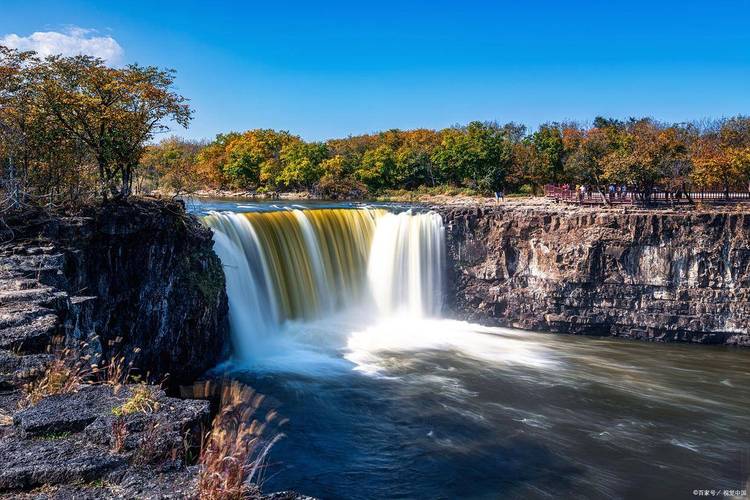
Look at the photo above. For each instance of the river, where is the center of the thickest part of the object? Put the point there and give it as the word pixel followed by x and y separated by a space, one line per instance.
pixel 408 404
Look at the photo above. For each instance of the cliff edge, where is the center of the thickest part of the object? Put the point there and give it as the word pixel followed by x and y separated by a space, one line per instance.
pixel 651 275
pixel 137 280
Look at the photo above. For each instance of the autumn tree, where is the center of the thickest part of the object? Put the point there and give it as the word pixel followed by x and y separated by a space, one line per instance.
pixel 301 164
pixel 337 181
pixel 172 165
pixel 114 112
pixel 414 165
pixel 212 159
pixel 646 154
pixel 721 156
pixel 40 160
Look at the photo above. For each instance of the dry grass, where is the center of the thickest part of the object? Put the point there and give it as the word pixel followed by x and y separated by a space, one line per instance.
pixel 5 419
pixel 116 372
pixel 149 450
pixel 142 400
pixel 64 374
pixel 119 434
pixel 234 451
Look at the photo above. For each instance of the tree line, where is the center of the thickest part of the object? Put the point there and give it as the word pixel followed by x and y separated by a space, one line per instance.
pixel 73 128
pixel 482 156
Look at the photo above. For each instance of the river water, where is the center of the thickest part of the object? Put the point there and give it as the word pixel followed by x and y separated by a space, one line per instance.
pixel 405 405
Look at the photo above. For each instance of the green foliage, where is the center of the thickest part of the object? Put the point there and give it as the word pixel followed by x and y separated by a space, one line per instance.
pixel 549 151
pixel 72 125
pixel 302 164
pixel 377 170
pixel 75 123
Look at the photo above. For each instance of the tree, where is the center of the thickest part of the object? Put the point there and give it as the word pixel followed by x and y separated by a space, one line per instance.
pixel 211 161
pixel 114 112
pixel 252 159
pixel 378 168
pixel 172 164
pixel 646 154
pixel 337 181
pixel 414 166
pixel 301 163
pixel 548 153
pixel 40 161
pixel 480 152
pixel 18 118
pixel 584 164
pixel 721 158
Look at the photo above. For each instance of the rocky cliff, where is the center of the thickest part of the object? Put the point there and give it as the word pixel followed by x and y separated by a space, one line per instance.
pixel 136 279
pixel 651 275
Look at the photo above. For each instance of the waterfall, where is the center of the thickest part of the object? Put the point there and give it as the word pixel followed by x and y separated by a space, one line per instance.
pixel 305 264
pixel 405 269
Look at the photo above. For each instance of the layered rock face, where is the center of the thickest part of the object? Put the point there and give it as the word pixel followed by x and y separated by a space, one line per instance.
pixel 159 287
pixel 652 275
pixel 138 280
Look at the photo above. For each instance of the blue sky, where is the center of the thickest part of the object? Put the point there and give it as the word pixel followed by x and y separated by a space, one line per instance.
pixel 331 69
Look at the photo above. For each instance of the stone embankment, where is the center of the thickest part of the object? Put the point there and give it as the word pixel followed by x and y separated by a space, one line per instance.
pixel 661 275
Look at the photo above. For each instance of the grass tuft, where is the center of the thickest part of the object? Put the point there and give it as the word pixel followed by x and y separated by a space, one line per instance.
pixel 65 374
pixel 119 434
pixel 234 451
pixel 142 400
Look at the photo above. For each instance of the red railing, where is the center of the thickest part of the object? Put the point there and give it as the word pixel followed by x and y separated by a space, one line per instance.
pixel 661 197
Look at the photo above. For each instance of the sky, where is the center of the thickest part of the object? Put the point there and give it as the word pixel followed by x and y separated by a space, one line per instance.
pixel 331 69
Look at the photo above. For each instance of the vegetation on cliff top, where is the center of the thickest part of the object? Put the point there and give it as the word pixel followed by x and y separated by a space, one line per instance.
pixel 481 156
pixel 72 127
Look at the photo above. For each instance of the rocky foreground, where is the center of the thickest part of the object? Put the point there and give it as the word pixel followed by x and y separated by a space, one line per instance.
pixel 659 275
pixel 130 288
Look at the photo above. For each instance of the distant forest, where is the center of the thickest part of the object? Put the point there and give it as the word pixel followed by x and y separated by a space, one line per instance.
pixel 481 157
pixel 73 129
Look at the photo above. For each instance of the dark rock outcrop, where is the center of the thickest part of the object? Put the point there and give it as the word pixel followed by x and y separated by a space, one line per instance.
pixel 137 279
pixel 69 438
pixel 31 463
pixel 652 275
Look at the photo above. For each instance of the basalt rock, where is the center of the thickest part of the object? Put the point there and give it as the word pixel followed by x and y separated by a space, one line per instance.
pixel 137 280
pixel 160 291
pixel 652 275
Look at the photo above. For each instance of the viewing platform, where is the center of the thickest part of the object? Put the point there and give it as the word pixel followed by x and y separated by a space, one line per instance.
pixel 564 194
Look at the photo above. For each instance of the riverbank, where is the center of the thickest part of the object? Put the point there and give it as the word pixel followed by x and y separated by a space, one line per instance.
pixel 437 197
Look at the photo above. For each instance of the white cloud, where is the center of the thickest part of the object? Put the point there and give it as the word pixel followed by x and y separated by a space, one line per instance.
pixel 70 42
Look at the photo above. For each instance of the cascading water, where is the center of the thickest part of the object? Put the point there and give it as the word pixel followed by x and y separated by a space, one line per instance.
pixel 304 264
pixel 405 269
pixel 335 314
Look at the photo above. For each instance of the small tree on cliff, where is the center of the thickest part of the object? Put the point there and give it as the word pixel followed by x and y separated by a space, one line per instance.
pixel 114 112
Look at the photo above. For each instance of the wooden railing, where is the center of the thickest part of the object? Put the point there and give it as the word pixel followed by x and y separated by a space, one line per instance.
pixel 660 197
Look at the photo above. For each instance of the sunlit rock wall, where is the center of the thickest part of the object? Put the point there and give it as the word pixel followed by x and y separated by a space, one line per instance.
pixel 661 275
